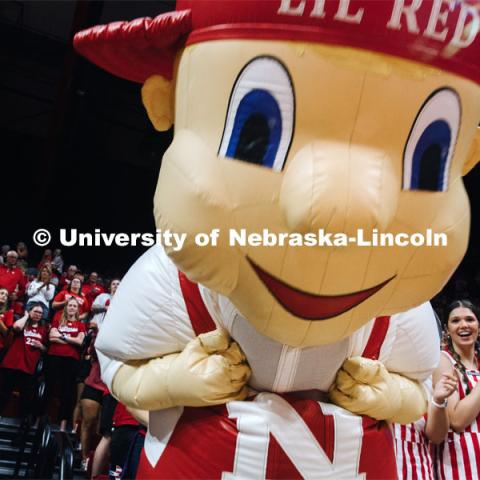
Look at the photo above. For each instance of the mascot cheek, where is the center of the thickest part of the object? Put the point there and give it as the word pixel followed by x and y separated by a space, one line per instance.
pixel 191 199
pixel 429 267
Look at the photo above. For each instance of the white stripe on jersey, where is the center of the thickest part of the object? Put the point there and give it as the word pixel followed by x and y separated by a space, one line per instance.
pixel 471 448
pixel 412 451
pixel 464 463
pixel 460 461
pixel 419 457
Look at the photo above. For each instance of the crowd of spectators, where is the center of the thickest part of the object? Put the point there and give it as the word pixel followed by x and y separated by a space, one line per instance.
pixel 49 318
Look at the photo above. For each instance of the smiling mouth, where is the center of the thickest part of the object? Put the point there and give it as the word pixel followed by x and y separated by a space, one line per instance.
pixel 308 306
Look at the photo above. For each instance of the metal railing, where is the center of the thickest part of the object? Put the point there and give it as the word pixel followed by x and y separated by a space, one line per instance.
pixel 65 456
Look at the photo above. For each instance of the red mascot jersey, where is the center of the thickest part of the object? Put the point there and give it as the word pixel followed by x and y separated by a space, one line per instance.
pixel 273 436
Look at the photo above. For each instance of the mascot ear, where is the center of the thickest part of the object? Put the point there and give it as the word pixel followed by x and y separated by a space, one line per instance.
pixel 157 98
pixel 474 153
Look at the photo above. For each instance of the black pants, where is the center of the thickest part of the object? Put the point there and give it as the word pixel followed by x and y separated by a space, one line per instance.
pixel 122 438
pixel 62 372
pixel 109 405
pixel 129 471
pixel 26 385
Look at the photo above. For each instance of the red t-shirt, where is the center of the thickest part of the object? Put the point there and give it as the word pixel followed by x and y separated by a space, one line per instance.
pixel 94 378
pixel 121 416
pixel 82 300
pixel 22 355
pixel 92 291
pixel 17 308
pixel 71 329
pixel 7 319
pixel 11 277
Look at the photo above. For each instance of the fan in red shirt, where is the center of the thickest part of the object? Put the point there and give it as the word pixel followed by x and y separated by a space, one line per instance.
pixel 6 320
pixel 92 289
pixel 63 355
pixel 12 277
pixel 19 364
pixel 73 290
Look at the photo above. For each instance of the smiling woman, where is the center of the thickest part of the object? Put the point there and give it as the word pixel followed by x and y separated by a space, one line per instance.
pixel 460 450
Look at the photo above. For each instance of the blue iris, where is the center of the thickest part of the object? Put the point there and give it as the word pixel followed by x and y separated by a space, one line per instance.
pixel 430 157
pixel 256 130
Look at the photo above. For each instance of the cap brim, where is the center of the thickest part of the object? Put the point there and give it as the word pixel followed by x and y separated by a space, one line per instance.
pixel 138 49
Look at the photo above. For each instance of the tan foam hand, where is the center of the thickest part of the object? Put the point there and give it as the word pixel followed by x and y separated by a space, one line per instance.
pixel 366 387
pixel 216 365
pixel 211 370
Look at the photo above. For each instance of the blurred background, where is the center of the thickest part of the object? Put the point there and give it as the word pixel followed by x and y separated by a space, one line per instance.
pixel 77 147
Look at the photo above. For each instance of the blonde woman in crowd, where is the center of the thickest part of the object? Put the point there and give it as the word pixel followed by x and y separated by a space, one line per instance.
pixel 63 356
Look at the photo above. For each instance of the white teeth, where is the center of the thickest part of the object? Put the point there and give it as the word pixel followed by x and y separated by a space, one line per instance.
pixel 464 334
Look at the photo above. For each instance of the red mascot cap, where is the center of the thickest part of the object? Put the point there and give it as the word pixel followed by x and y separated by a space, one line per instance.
pixel 440 33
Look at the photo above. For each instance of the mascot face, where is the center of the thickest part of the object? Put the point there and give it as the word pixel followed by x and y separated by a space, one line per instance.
pixel 315 121
pixel 294 137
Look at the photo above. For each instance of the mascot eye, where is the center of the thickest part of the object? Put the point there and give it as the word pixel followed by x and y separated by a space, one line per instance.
pixel 260 118
pixel 430 146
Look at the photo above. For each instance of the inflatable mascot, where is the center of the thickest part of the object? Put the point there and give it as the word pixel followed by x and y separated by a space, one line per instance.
pixel 313 194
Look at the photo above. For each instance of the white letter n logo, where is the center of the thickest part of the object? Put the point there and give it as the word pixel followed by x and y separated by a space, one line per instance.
pixel 271 414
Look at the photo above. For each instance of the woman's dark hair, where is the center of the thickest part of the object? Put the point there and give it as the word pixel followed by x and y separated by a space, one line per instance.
pixel 458 304
pixel 118 279
pixel 30 308
pixel 458 363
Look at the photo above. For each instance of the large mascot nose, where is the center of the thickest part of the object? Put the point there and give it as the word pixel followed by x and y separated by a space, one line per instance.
pixel 339 188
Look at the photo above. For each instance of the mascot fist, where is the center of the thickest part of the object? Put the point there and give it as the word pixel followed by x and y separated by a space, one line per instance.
pixel 366 387
pixel 210 370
